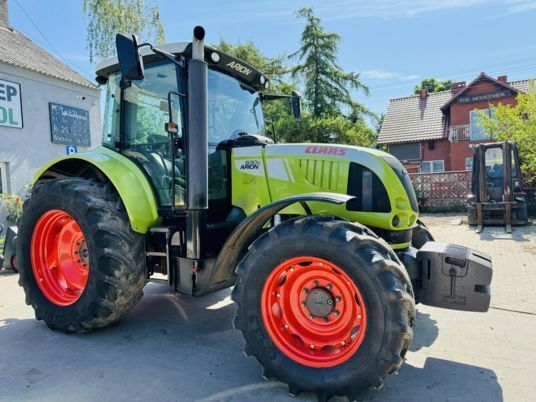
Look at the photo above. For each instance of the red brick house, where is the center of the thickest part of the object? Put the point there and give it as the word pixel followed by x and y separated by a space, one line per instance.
pixel 435 132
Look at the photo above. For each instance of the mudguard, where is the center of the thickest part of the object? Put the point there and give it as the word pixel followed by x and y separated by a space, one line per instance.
pixel 127 178
pixel 250 228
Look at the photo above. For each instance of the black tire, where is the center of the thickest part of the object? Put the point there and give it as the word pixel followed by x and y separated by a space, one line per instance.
pixel 13 263
pixel 421 235
pixel 116 273
pixel 376 271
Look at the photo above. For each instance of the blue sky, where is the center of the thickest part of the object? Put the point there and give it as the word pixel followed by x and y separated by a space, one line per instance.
pixel 393 43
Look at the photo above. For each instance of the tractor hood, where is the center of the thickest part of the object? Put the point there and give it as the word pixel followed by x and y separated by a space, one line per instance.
pixel 383 196
pixel 385 166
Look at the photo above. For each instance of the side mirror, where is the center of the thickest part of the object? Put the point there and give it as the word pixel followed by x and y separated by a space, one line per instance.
pixel 296 104
pixel 130 61
pixel 175 123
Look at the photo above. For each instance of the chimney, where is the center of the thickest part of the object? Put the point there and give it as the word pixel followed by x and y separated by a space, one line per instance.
pixel 457 87
pixel 4 18
pixel 503 78
pixel 423 93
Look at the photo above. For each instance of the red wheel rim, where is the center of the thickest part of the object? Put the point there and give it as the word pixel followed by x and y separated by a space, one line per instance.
pixel 59 257
pixel 300 318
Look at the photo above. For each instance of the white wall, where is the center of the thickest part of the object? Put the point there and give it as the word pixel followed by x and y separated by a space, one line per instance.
pixel 28 148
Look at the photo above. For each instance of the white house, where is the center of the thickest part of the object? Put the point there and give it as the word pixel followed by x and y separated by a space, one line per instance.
pixel 46 108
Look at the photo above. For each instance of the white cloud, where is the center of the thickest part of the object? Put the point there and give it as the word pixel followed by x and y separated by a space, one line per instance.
pixel 519 6
pixel 389 8
pixel 385 75
pixel 283 10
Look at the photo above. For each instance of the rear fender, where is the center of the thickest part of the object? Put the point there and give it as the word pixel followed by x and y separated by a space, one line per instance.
pixel 236 246
pixel 127 178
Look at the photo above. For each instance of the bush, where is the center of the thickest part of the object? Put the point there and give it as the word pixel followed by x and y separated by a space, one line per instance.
pixel 12 204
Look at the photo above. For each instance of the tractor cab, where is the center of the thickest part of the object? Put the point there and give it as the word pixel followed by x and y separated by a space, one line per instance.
pixel 146 117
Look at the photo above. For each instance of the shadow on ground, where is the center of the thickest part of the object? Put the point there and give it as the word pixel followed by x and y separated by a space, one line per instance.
pixel 426 332
pixel 173 347
pixel 491 233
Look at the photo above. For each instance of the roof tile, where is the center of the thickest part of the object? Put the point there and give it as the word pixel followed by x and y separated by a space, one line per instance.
pixel 411 119
pixel 16 49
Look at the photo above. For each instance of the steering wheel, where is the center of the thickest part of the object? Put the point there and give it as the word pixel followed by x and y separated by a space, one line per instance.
pixel 156 141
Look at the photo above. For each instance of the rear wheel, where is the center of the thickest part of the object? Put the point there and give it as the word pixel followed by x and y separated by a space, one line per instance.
pixel 325 306
pixel 81 265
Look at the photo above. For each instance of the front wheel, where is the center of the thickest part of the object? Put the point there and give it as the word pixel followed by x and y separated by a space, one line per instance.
pixel 325 306
pixel 81 265
pixel 421 235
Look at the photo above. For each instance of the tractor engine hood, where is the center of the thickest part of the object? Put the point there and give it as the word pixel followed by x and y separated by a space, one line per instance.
pixel 383 194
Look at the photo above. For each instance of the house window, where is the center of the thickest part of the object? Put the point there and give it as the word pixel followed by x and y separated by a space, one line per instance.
pixel 4 184
pixel 432 166
pixel 476 131
pixel 469 163
pixel 406 152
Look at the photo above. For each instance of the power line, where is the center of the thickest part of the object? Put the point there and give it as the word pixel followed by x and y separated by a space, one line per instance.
pixel 512 66
pixel 42 34
pixel 468 70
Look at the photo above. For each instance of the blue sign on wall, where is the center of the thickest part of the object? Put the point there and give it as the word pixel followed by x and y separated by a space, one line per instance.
pixel 69 125
pixel 71 149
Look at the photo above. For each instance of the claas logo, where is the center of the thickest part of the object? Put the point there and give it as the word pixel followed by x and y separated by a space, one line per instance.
pixel 338 151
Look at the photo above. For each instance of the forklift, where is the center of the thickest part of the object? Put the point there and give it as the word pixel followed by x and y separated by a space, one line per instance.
pixel 496 195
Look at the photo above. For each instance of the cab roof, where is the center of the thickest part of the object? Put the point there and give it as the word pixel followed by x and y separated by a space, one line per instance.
pixel 216 59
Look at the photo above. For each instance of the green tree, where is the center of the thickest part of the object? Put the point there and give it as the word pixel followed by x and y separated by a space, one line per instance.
pixel 433 85
pixel 273 67
pixel 379 123
pixel 334 129
pixel 108 17
pixel 517 123
pixel 327 86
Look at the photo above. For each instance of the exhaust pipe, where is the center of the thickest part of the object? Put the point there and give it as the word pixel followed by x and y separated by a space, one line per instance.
pixel 197 138
pixel 197 146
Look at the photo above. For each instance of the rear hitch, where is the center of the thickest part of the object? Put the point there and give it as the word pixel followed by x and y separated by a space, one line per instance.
pixel 454 277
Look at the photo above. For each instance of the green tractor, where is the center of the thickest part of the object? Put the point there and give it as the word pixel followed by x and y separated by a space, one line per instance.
pixel 322 243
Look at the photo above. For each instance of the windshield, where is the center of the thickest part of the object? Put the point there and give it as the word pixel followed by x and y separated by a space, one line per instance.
pixel 233 108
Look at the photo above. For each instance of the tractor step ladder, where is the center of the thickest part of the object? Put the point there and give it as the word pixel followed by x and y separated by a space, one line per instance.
pixel 165 233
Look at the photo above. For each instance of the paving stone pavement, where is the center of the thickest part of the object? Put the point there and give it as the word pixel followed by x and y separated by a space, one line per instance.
pixel 514 258
pixel 176 348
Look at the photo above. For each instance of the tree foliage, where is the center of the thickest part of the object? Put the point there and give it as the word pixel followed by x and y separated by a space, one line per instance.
pixel 433 85
pixel 327 86
pixel 108 17
pixel 516 123
pixel 334 129
pixel 273 67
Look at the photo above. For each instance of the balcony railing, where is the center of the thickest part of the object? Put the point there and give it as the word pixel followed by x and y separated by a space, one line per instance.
pixel 459 133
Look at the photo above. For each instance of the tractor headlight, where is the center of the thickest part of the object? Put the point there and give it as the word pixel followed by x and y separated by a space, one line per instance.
pixel 262 79
pixel 215 57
